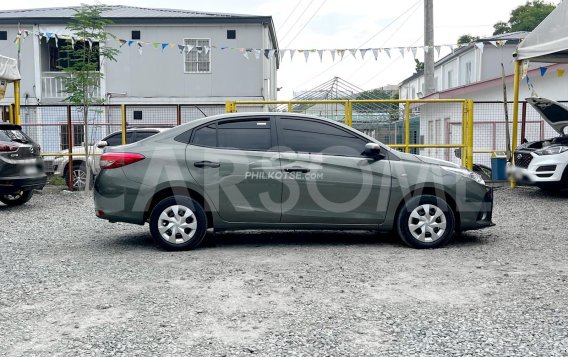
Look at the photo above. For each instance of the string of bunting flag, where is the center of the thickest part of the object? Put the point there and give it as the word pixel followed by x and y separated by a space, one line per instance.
pixel 543 71
pixel 260 52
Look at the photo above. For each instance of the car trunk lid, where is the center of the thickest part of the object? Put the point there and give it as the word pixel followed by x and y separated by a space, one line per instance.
pixel 555 114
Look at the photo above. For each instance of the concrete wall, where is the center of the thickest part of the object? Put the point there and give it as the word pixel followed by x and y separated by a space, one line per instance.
pixel 9 48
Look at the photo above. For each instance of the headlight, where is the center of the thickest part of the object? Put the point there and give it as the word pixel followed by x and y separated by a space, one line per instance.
pixel 552 150
pixel 465 173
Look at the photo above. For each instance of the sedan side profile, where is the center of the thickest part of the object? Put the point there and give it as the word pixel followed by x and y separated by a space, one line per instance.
pixel 284 171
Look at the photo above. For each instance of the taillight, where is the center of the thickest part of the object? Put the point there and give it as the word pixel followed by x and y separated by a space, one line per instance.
pixel 114 160
pixel 5 147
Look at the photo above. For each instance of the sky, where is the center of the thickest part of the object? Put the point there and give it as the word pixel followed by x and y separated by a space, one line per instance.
pixel 323 24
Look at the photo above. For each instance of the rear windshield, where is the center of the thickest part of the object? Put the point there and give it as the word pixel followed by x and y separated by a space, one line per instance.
pixel 14 135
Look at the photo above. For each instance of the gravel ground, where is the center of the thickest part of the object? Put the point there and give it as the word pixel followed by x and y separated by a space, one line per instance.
pixel 75 285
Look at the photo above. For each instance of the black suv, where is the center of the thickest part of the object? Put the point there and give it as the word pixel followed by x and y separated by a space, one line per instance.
pixel 21 166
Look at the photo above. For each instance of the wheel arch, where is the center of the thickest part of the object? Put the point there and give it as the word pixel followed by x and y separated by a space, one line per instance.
pixel 180 191
pixel 431 190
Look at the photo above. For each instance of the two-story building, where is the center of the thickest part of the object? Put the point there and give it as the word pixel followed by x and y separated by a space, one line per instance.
pixel 474 71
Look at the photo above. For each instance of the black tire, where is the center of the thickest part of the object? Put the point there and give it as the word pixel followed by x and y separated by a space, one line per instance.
pixel 416 203
pixel 18 198
pixel 79 176
pixel 176 240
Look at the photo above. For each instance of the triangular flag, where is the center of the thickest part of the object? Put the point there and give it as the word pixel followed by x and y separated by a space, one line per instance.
pixel 172 45
pixel 362 52
pixel 560 72
pixel 257 53
pixel 320 52
pixel 414 50
pixel 501 43
pixel 388 51
pixel 353 51
pixel 543 71
pixel 48 35
pixel 139 48
pixel 206 49
pixel 271 53
pixel 57 41
pixel 245 53
pixel 306 55
pixel 426 49
pixel 130 43
pixel 90 43
pixel 292 54
pixel 189 48
pixel 494 43
pixel 181 48
pixel 524 69
pixel 479 45
pixel 438 48
pixel 375 53
pixel 401 49
pixel 155 44
pixel 266 52
pixel 164 45
pixel 341 53
pixel 281 54
pixel 332 53
pixel 122 42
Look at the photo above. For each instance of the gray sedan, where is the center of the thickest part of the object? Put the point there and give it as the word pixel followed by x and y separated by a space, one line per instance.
pixel 284 171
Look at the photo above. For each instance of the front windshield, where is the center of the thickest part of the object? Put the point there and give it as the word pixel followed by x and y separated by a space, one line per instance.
pixel 13 135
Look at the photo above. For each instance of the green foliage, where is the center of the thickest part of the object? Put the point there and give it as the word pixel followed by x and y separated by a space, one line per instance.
pixel 466 39
pixel 83 58
pixel 525 17
pixel 392 109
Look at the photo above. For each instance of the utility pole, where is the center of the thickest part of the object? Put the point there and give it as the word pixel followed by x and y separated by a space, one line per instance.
pixel 429 85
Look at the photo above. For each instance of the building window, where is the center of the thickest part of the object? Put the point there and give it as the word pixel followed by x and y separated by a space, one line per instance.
pixel 136 35
pixel 78 135
pixel 468 73
pixel 137 115
pixel 3 35
pixel 59 56
pixel 231 34
pixel 198 60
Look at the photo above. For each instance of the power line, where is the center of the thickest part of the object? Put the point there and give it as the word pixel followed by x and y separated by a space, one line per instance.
pixel 364 43
pixel 297 20
pixel 306 24
pixel 289 15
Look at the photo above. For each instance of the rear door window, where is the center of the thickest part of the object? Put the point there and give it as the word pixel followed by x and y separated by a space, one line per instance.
pixel 311 136
pixel 244 134
pixel 205 136
pixel 116 139
pixel 141 135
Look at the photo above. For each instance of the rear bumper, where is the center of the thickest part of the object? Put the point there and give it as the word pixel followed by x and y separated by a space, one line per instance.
pixel 10 185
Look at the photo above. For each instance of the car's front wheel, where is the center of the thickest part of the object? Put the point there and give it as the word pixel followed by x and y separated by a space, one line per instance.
pixel 425 222
pixel 178 223
pixel 18 198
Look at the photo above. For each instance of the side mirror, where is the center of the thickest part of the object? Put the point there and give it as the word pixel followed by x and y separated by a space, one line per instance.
pixel 102 144
pixel 372 150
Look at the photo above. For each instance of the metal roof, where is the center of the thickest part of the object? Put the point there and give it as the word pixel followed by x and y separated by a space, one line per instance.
pixel 115 11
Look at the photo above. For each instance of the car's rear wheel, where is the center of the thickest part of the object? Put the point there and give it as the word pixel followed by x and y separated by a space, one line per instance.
pixel 18 198
pixel 425 222
pixel 79 177
pixel 178 223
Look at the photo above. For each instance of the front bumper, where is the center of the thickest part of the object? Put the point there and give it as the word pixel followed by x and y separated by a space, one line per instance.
pixel 9 185
pixel 478 212
pixel 541 169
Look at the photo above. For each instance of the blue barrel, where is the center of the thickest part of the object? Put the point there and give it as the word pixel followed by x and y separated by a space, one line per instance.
pixel 498 167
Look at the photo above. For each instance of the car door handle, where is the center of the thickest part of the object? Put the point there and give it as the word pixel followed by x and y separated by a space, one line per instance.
pixel 297 169
pixel 204 164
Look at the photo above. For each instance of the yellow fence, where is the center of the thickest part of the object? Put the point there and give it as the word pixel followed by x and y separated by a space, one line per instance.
pixel 462 114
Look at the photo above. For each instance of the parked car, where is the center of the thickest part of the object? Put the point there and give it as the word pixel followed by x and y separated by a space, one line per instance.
pixel 61 164
pixel 284 171
pixel 21 166
pixel 545 163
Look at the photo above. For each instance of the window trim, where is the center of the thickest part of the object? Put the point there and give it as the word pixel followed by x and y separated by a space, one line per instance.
pixel 208 54
pixel 280 130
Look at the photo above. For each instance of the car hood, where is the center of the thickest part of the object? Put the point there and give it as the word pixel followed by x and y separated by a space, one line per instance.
pixel 555 114
pixel 426 160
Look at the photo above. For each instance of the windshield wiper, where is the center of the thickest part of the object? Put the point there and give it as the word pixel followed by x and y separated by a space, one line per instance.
pixel 18 140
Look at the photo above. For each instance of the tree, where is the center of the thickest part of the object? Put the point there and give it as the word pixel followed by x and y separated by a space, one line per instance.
pixel 525 17
pixel 466 39
pixel 81 60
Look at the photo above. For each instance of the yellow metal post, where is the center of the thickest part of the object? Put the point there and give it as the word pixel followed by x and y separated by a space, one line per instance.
pixel 464 148
pixel 123 112
pixel 515 115
pixel 17 102
pixel 348 114
pixel 470 134
pixel 290 108
pixel 407 126
pixel 11 113
pixel 228 106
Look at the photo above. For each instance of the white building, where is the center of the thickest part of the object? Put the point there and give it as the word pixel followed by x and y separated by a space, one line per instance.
pixel 474 72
